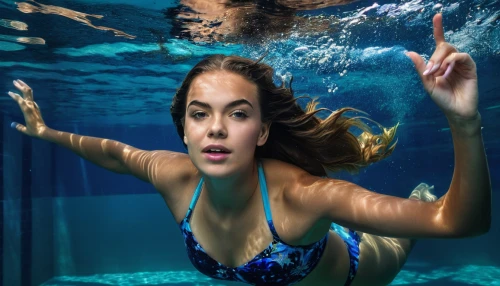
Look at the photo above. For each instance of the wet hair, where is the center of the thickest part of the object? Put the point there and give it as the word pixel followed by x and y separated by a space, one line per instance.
pixel 297 136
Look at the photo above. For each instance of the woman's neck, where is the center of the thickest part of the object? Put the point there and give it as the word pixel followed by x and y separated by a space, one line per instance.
pixel 229 196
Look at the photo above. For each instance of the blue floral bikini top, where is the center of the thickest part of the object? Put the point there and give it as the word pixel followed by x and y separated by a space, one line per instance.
pixel 278 264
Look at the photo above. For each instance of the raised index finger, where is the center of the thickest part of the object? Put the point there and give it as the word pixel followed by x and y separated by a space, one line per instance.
pixel 437 21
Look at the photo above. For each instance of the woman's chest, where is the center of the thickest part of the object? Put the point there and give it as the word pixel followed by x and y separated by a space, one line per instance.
pixel 231 243
pixel 274 263
pixel 236 242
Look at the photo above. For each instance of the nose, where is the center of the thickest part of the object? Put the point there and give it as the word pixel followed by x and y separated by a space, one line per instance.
pixel 217 128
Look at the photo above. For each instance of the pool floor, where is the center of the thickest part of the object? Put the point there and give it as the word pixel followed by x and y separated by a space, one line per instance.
pixel 413 274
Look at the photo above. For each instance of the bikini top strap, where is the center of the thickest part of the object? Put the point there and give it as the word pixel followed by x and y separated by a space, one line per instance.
pixel 265 199
pixel 196 195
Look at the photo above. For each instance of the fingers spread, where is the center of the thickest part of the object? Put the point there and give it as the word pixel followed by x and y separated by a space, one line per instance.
pixel 25 89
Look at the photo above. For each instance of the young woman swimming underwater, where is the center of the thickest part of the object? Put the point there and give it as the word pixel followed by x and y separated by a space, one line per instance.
pixel 251 196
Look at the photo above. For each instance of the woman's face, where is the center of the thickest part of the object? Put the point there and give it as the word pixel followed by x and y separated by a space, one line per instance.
pixel 223 123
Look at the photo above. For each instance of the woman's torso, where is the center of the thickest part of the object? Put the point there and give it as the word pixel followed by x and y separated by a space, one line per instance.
pixel 237 240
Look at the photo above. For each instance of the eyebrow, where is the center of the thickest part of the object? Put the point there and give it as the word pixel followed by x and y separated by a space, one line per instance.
pixel 230 105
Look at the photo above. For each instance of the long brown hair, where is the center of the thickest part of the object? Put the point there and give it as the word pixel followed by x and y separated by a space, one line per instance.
pixel 297 136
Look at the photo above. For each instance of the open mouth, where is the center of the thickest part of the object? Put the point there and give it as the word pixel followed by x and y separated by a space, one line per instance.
pixel 216 155
pixel 216 151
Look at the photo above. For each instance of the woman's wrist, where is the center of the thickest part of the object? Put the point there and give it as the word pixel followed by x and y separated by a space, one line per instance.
pixel 465 126
pixel 44 133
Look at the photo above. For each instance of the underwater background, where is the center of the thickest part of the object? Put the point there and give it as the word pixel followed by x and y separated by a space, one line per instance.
pixel 109 68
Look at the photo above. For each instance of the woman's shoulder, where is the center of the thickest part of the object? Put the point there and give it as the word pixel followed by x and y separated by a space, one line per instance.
pixel 293 180
pixel 284 174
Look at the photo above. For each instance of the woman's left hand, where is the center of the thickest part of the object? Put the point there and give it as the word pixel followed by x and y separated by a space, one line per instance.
pixel 449 77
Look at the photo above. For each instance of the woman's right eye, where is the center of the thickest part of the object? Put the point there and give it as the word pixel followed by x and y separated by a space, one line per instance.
pixel 198 114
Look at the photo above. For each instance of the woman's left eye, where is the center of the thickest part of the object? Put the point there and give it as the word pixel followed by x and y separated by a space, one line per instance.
pixel 239 114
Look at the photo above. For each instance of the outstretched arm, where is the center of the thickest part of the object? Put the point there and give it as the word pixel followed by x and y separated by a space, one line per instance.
pixel 156 167
pixel 465 210
pixel 450 78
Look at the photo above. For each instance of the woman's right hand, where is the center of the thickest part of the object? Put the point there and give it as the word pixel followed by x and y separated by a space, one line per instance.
pixel 32 115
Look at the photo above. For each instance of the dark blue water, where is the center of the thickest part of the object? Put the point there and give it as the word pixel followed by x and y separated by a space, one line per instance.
pixel 68 222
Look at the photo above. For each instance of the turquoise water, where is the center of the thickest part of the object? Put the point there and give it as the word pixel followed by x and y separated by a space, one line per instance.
pixel 466 275
pixel 67 222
